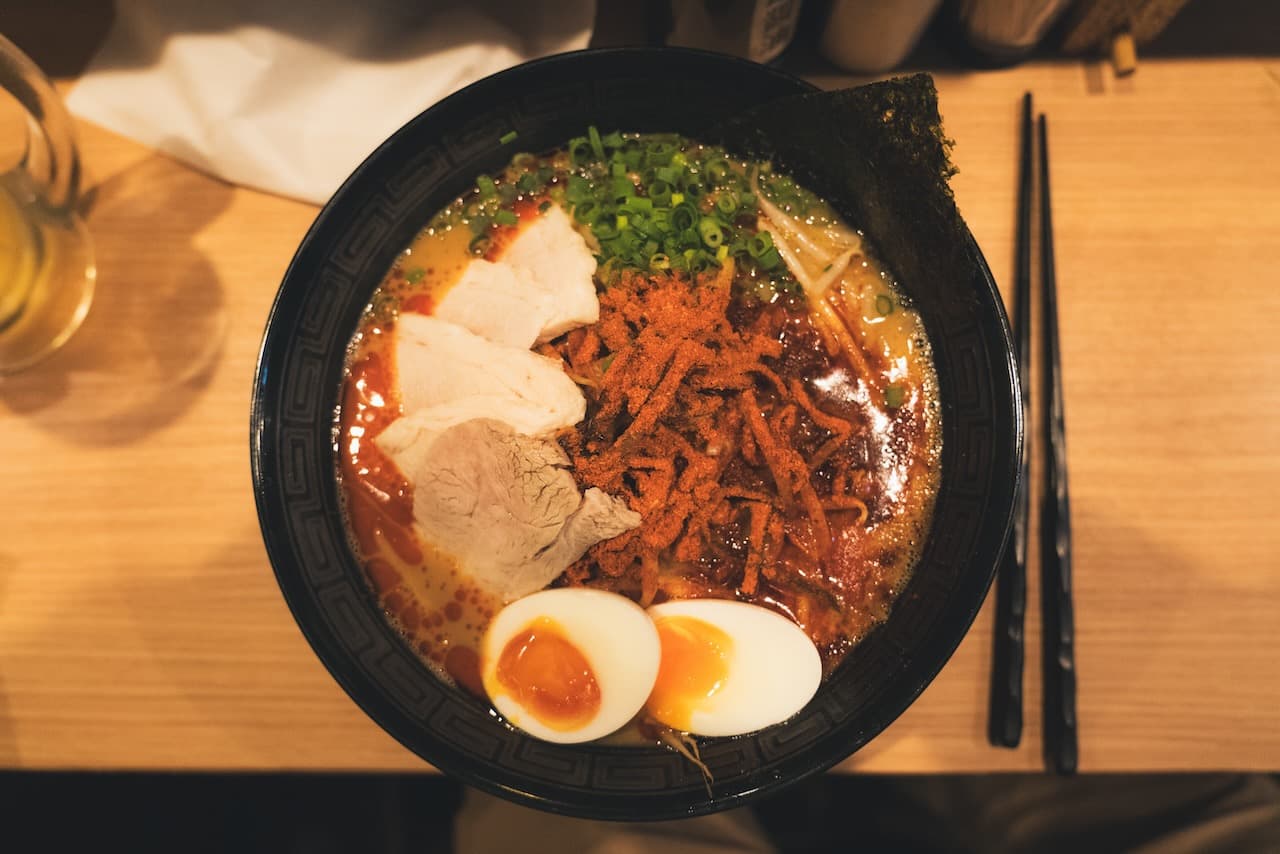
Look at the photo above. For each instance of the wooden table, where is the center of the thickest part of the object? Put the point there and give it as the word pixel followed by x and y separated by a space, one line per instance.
pixel 141 627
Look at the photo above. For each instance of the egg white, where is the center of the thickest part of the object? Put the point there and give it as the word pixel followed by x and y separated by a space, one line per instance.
pixel 773 669
pixel 613 633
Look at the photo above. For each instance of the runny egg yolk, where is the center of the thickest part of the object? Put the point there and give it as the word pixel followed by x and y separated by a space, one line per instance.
pixel 549 677
pixel 692 670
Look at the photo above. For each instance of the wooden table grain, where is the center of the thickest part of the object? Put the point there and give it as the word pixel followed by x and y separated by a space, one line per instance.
pixel 141 626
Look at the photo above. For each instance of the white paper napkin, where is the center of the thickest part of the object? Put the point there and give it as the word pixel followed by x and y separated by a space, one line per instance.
pixel 288 96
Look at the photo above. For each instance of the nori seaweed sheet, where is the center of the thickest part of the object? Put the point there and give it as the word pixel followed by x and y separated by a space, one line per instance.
pixel 878 155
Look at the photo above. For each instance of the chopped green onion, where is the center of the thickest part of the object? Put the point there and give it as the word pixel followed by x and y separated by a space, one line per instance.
pixel 577 189
pixel 597 147
pixel 722 252
pixel 527 183
pixel 584 212
pixel 415 275
pixel 508 137
pixel 770 259
pixel 485 185
pixel 659 153
pixel 884 305
pixel 620 221
pixel 676 198
pixel 894 396
pixel 717 169
pixel 612 140
pixel 622 189
pixel 759 244
pixel 712 233
pixel 659 261
pixel 579 150
pixel 667 173
pixel 659 193
pixel 506 217
pixel 479 244
pixel 544 207
pixel 639 204
pixel 727 203
pixel 684 216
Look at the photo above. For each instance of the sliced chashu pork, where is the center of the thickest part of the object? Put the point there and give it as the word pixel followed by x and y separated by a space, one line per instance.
pixel 441 363
pixel 407 439
pixel 540 287
pixel 506 506
pixel 559 263
pixel 497 302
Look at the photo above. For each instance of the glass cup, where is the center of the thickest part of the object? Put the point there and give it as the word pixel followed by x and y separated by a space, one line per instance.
pixel 46 257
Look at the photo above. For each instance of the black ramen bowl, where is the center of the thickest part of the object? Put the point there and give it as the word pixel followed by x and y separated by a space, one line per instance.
pixel 354 241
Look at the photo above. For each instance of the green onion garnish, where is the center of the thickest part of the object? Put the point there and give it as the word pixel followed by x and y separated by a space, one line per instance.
pixel 479 244
pixel 759 244
pixel 509 136
pixel 684 216
pixel 659 193
pixel 597 147
pixel 894 396
pixel 506 217
pixel 485 185
pixel 884 305
pixel 727 203
pixel 415 275
pixel 579 150
pixel 577 189
pixel 712 233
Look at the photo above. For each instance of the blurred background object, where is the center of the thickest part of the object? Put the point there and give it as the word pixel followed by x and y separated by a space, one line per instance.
pixel 1094 23
pixel 289 97
pixel 758 30
pixel 1008 30
pixel 46 258
pixel 874 35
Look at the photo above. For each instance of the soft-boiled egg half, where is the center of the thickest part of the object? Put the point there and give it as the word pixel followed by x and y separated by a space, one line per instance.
pixel 570 665
pixel 729 668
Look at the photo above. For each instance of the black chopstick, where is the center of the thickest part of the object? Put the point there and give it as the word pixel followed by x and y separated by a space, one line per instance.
pixel 1004 725
pixel 1057 617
